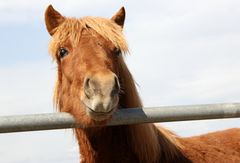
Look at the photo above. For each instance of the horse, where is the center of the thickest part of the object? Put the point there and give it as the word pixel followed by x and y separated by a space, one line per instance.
pixel 93 81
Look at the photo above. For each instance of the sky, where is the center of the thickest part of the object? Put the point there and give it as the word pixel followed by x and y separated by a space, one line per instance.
pixel 181 53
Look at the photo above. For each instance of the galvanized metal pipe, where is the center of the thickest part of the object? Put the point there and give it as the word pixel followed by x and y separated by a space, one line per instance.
pixel 121 117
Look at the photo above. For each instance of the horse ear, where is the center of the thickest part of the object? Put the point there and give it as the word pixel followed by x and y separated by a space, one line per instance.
pixel 119 17
pixel 52 19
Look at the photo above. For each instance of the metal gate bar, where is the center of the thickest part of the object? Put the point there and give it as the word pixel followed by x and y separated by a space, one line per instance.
pixel 51 121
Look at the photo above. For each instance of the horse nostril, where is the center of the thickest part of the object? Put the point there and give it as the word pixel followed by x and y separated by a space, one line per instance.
pixel 87 90
pixel 91 87
pixel 116 87
pixel 103 87
pixel 86 83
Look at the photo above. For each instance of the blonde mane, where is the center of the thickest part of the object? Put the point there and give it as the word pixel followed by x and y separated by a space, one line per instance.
pixel 72 29
pixel 154 138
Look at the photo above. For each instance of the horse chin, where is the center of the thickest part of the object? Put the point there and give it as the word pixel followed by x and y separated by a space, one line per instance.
pixel 99 116
pixel 98 113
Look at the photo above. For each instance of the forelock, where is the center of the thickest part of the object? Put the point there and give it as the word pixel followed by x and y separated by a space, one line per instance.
pixel 72 29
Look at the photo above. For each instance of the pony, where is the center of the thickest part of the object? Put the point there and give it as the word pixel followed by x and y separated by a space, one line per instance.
pixel 93 81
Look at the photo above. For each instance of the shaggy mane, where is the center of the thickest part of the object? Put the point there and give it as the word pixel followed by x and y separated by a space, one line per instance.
pixel 149 150
pixel 72 29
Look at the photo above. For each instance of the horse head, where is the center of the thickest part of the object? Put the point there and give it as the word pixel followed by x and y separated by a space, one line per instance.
pixel 87 52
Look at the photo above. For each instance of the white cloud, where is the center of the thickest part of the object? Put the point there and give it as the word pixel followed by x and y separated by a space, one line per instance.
pixel 27 88
pixel 201 127
pixel 37 147
pixel 213 82
pixel 22 12
pixel 190 51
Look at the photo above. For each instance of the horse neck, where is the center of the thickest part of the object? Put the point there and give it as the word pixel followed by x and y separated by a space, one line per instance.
pixel 148 149
pixel 144 141
pixel 149 143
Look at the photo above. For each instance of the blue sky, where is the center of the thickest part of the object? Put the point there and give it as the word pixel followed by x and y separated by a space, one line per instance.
pixel 182 52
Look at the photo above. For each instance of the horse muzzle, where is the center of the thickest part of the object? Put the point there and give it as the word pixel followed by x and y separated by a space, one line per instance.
pixel 101 95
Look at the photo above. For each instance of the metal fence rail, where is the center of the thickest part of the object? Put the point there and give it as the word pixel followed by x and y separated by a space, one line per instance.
pixel 121 117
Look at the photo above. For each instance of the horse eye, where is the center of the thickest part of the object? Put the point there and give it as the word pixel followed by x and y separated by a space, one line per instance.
pixel 99 44
pixel 63 52
pixel 117 51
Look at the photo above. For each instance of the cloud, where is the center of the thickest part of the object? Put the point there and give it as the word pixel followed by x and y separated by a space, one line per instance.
pixel 37 147
pixel 26 88
pixel 201 127
pixel 190 52
pixel 25 12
